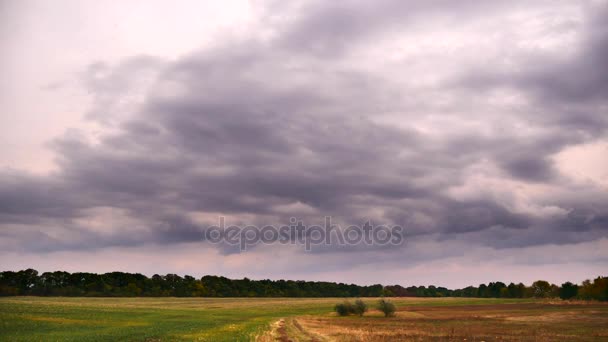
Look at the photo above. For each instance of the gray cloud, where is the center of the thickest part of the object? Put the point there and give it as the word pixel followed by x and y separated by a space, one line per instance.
pixel 326 29
pixel 261 130
pixel 571 87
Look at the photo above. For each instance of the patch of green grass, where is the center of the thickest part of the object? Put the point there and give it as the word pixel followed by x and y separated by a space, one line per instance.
pixel 145 319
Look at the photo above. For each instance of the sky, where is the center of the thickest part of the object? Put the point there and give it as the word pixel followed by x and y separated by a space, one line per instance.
pixel 127 128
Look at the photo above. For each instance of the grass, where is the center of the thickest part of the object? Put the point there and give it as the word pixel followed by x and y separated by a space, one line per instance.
pixel 244 319
pixel 454 320
pixel 145 319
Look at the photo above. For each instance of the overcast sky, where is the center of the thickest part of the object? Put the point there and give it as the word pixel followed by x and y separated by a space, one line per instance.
pixel 128 127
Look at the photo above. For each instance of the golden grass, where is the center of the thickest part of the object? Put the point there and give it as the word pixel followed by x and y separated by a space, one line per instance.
pixel 497 322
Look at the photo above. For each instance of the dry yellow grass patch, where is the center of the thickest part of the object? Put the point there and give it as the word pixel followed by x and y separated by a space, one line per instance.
pixel 501 322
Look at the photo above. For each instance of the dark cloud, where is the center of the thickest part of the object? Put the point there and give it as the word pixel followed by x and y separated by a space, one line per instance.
pixel 529 168
pixel 258 130
pixel 29 198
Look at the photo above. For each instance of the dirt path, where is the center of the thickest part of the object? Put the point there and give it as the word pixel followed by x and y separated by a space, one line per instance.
pixel 308 335
pixel 289 330
pixel 282 332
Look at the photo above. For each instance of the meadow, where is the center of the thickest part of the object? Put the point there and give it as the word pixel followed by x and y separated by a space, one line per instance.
pixel 301 319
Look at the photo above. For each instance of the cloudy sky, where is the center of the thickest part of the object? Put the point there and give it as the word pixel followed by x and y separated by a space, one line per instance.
pixel 128 127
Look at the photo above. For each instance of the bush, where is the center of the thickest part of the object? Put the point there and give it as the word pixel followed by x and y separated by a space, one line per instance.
pixel 344 309
pixel 359 308
pixel 386 307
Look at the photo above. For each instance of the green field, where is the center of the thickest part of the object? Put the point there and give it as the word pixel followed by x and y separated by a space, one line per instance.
pixel 284 319
pixel 145 319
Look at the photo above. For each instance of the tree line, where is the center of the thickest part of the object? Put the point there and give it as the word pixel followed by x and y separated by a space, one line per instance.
pixel 588 290
pixel 121 284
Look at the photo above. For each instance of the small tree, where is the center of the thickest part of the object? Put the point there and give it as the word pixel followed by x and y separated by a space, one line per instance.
pixel 344 309
pixel 386 307
pixel 541 289
pixel 568 290
pixel 360 307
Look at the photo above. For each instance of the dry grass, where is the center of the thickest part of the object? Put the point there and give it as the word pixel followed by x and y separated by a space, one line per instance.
pixel 500 322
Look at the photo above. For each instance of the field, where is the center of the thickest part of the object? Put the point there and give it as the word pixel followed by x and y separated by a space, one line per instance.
pixel 280 319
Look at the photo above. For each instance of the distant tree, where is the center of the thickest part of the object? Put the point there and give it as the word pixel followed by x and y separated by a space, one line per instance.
pixel 568 290
pixel 8 284
pixel 26 280
pixel 554 292
pixel 598 289
pixel 386 307
pixel 482 291
pixel 496 289
pixel 541 289
pixel 585 290
pixel 601 285
pixel 360 307
pixel 521 290
pixel 470 291
pixel 389 291
pixel 443 292
pixel 421 291
pixel 119 284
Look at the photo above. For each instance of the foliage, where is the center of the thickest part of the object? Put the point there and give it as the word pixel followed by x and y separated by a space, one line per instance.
pixel 120 284
pixel 541 289
pixel 360 307
pixel 598 289
pixel 386 307
pixel 568 290
pixel 344 309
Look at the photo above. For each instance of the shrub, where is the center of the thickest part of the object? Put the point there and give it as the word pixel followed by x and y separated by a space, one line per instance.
pixel 344 309
pixel 359 308
pixel 386 307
